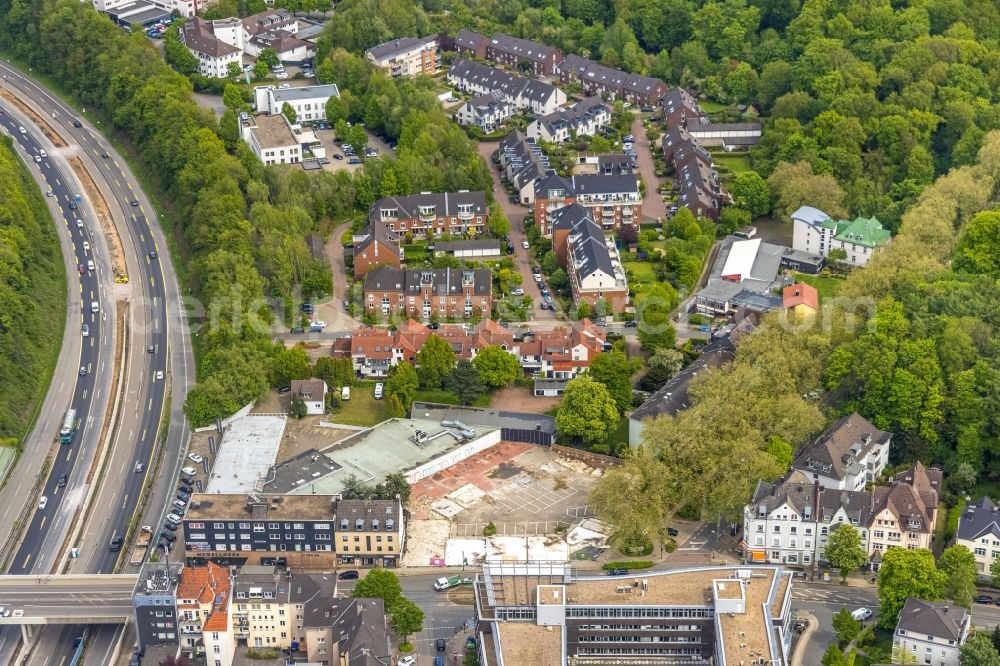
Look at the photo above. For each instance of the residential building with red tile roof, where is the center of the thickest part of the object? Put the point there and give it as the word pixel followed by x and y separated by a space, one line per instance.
pixel 562 353
pixel 801 298
pixel 204 595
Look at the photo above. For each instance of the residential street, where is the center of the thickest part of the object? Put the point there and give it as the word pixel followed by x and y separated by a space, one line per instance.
pixel 515 213
pixel 653 207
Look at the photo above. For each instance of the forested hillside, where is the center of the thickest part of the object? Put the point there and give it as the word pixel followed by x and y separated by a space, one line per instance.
pixel 32 295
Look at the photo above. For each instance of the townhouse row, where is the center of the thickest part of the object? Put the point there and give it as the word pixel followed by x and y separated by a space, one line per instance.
pixel 561 353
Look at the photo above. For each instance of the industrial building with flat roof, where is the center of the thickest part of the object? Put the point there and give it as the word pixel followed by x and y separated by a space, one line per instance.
pixel 546 615
pixel 417 448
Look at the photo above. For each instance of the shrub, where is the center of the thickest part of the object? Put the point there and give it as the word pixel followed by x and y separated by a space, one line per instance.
pixel 627 564
pixel 490 529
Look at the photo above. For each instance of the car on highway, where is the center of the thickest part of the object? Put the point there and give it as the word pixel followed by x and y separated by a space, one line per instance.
pixel 134 203
pixel 195 458
pixel 61 482
pixel 139 468
pixel 38 158
pixel 72 205
pixel 77 123
pixel 350 574
pixel 48 193
pixel 83 370
pixel 80 268
pixel 116 543
pixel 43 502
pixel 190 471
pixel 152 254
pixel 90 265
pixel 86 330
pixel 86 246
pixel 159 375
pixel 43 154
pixel 22 130
pixel 105 155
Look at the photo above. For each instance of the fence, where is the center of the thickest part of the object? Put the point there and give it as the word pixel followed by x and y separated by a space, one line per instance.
pixel 596 460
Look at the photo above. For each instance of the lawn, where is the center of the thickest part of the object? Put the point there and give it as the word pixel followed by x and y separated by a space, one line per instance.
pixel 712 107
pixel 827 286
pixel 445 397
pixel 416 251
pixel 734 163
pixel 362 409
pixel 641 273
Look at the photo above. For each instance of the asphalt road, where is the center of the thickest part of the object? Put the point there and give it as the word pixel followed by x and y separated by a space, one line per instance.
pixel 154 296
pixel 94 357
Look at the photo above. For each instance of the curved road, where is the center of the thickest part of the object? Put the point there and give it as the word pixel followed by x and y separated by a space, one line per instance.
pixel 153 296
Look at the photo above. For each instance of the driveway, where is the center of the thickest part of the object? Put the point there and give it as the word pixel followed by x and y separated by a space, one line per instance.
pixel 515 213
pixel 652 204
pixel 332 311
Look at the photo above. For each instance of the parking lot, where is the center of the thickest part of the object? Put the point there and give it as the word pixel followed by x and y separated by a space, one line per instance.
pixel 334 151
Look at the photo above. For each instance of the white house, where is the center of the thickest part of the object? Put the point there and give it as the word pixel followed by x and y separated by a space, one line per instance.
pixel 529 95
pixel 275 141
pixel 585 118
pixel 932 632
pixel 979 531
pixel 487 112
pixel 312 392
pixel 813 231
pixel 214 55
pixel 309 102
pixel 846 456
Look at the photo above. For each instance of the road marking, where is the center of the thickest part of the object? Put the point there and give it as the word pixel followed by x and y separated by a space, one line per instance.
pixel 150 405
pixel 97 395
pixel 125 503
pixel 42 524
pixel 83 396
pixel 69 453
pixel 143 435
pixel 26 560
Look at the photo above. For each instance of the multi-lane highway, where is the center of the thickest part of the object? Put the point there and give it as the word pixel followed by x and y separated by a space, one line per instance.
pixel 95 326
pixel 156 346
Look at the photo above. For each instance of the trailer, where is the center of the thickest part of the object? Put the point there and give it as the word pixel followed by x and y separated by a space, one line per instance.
pixel 141 545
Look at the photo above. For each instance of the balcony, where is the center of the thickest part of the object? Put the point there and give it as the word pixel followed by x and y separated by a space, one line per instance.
pixel 427 215
pixel 466 214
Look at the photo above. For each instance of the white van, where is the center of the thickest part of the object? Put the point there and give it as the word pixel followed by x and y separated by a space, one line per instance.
pixel 345 393
pixel 861 614
pixel 95 307
pixel 379 390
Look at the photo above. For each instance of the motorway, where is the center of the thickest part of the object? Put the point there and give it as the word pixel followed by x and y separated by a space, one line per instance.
pixel 153 297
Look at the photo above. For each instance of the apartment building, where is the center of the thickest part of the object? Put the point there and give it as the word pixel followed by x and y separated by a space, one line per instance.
pixel 273 139
pixel 597 79
pixel 588 117
pixel 523 164
pixel 276 609
pixel 487 112
pixel 154 605
pixel 790 521
pixel 550 615
pixel 931 632
pixel 214 55
pixel 562 353
pixel 591 260
pixel 408 56
pixel 695 177
pixel 522 54
pixel 376 246
pixel 258 529
pixel 370 532
pixel 847 455
pixel 205 613
pixel 429 293
pixel 454 213
pixel 813 231
pixel 979 531
pixel 613 201
pixel 308 102
pixel 530 95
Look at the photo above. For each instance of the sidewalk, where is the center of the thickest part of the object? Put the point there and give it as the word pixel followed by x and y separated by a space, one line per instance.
pixel 802 643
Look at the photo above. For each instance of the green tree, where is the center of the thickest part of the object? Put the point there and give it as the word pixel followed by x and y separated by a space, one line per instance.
pixel 334 371
pixel 752 192
pixel 379 584
pixel 289 363
pixel 846 626
pixel 288 112
pixel 260 70
pixel 298 407
pixel 794 185
pixel 336 110
pixel 396 409
pixel 649 483
pixel 233 70
pixel 844 549
pixel 435 361
pixel 403 382
pixel 978 248
pixel 653 314
pixel 497 222
pixel 959 566
pixel 269 57
pixel 906 573
pixel 229 129
pixel 407 618
pixel 583 311
pixel 995 572
pixel 834 656
pixel 614 370
pixel 978 650
pixel 587 411
pixel 508 279
pixel 177 54
pixel 394 484
pixel 497 367
pixel 232 97
pixel 464 382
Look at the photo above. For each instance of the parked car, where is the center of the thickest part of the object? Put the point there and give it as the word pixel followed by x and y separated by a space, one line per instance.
pixel 169 536
pixel 281 76
pixel 195 458
pixel 406 661
pixel 525 244
pixel 861 614
pixel 631 324
pixel 379 389
pixel 350 574
pixel 984 599
pixel 517 292
pixel 298 330
pixel 672 531
pixel 535 270
pixel 190 471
